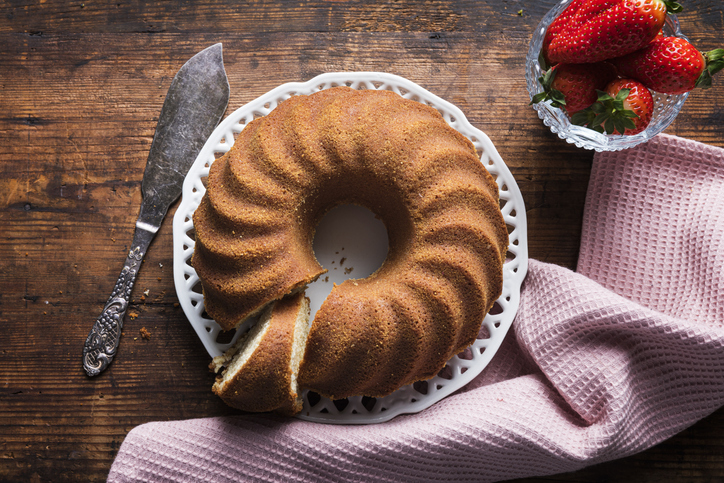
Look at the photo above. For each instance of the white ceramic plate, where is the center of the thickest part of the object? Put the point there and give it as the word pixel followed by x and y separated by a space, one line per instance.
pixel 362 256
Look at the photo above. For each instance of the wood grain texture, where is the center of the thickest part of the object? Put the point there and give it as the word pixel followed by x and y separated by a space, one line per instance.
pixel 81 87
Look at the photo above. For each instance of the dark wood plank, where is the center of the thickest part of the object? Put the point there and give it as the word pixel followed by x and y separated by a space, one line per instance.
pixel 318 16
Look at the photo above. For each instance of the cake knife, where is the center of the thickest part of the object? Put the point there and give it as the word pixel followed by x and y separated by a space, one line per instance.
pixel 195 102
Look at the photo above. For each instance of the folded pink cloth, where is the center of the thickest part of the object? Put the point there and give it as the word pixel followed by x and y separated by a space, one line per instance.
pixel 601 364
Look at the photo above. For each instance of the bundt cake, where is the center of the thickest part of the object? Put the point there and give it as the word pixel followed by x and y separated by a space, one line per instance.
pixel 261 368
pixel 397 157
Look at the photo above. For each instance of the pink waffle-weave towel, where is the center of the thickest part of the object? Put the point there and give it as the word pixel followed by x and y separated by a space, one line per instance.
pixel 600 364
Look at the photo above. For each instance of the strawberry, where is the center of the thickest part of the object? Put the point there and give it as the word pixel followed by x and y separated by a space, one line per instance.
pixel 671 65
pixel 603 29
pixel 558 24
pixel 573 87
pixel 577 13
pixel 625 107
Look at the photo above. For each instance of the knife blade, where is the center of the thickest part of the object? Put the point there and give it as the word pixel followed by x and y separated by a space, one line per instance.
pixel 195 102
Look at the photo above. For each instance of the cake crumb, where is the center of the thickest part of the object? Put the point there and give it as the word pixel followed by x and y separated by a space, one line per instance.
pixel 341 262
pixel 146 292
pixel 348 270
pixel 133 315
pixel 145 333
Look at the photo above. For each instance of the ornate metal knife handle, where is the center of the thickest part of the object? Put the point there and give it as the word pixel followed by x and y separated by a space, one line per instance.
pixel 102 342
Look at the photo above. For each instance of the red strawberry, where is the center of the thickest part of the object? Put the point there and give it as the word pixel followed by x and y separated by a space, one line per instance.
pixel 609 29
pixel 671 65
pixel 577 13
pixel 573 86
pixel 625 108
pixel 559 23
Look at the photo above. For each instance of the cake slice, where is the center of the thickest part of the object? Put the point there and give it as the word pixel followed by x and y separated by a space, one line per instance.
pixel 261 368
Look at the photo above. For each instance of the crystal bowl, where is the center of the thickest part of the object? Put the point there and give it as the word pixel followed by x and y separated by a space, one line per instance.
pixel 666 106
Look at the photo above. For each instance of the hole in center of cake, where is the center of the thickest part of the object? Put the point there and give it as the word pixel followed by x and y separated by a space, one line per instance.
pixel 350 242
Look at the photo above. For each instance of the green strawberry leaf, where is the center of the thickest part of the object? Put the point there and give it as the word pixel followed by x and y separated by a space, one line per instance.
pixel 610 126
pixel 581 118
pixel 597 107
pixel 673 7
pixel 548 78
pixel 621 124
pixel 542 61
pixel 555 96
pixel 598 122
pixel 603 96
pixel 538 98
pixel 607 114
pixel 714 63
pixel 601 119
pixel 559 100
pixel 715 55
pixel 622 95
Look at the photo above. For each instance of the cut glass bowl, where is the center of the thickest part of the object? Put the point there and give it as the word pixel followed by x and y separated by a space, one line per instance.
pixel 666 107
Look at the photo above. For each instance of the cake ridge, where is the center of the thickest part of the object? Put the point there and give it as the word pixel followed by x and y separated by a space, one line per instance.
pixel 459 272
pixel 276 156
pixel 250 180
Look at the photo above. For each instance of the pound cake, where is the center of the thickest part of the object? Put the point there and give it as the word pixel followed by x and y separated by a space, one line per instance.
pixel 397 157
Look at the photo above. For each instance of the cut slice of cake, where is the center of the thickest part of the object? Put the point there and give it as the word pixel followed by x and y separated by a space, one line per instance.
pixel 261 368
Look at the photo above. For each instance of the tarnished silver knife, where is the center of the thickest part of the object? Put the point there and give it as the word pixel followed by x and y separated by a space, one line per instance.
pixel 194 105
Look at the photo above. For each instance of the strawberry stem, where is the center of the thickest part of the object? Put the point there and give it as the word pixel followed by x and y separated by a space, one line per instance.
pixel 607 114
pixel 549 94
pixel 714 63
pixel 672 6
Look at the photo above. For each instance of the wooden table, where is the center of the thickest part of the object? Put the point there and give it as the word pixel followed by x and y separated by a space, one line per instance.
pixel 81 87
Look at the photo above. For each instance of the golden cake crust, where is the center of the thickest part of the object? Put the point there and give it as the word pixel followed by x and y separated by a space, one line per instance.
pixel 400 159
